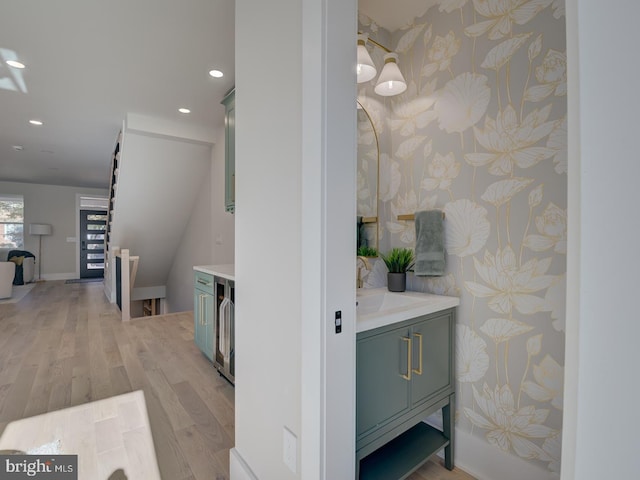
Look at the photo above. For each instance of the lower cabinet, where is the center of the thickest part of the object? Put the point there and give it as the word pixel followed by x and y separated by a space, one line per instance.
pixel 404 372
pixel 203 313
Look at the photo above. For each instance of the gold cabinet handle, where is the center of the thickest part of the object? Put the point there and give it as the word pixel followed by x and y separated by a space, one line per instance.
pixel 408 375
pixel 418 370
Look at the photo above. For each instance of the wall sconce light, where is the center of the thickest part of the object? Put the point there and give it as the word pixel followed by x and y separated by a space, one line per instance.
pixel 365 67
pixel 391 81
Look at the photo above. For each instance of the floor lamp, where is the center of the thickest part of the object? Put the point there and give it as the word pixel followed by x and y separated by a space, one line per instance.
pixel 39 229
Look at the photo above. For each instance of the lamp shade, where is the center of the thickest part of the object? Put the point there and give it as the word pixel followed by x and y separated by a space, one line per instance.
pixel 365 67
pixel 390 82
pixel 39 229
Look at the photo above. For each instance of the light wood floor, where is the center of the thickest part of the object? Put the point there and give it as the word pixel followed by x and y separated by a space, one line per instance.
pixel 64 345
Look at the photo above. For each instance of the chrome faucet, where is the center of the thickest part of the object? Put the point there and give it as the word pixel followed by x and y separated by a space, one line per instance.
pixel 367 265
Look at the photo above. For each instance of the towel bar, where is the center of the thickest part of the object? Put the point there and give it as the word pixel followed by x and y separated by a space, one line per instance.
pixel 411 216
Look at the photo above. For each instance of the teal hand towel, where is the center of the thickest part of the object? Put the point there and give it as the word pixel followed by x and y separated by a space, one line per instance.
pixel 430 258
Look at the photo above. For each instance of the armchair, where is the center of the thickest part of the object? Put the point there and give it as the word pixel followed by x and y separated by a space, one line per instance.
pixel 25 266
pixel 7 271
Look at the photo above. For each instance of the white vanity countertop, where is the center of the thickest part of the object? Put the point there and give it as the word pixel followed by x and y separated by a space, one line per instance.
pixel 377 307
pixel 225 271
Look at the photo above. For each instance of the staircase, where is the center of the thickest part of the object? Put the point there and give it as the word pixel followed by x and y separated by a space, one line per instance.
pixel 156 172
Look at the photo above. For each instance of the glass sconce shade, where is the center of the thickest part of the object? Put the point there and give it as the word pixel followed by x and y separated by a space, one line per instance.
pixel 365 67
pixel 391 82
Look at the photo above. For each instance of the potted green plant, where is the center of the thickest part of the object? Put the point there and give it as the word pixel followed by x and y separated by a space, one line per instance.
pixel 398 262
pixel 365 251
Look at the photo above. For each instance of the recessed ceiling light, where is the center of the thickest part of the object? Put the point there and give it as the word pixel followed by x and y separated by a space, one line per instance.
pixel 18 148
pixel 216 73
pixel 184 110
pixel 36 122
pixel 15 64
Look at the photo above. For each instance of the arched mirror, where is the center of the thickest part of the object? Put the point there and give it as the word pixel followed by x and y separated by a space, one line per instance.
pixel 368 180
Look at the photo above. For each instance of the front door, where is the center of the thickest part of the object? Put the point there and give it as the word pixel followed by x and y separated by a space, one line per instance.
pixel 93 224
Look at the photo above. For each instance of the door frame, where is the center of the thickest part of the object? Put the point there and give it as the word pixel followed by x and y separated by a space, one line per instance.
pixel 85 222
pixel 76 239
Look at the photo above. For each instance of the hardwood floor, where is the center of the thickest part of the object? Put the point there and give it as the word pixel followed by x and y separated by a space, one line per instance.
pixel 64 345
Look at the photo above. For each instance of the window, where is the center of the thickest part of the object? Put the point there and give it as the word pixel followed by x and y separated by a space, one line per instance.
pixel 94 203
pixel 11 221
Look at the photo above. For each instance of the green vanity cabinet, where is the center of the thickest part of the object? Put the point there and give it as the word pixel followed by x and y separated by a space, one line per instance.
pixel 203 313
pixel 229 102
pixel 404 372
pixel 381 390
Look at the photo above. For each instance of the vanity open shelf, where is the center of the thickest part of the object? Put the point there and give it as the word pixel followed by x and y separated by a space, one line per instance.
pixel 404 454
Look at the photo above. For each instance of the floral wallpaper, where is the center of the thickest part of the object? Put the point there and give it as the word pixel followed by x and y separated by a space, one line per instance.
pixel 481 134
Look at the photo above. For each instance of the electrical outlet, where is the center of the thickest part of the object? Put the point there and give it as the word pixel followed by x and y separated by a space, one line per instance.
pixel 289 449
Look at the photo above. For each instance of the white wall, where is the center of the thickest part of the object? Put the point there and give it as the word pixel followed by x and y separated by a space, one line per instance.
pixel 268 263
pixel 159 179
pixel 601 387
pixel 208 238
pixel 295 211
pixel 55 205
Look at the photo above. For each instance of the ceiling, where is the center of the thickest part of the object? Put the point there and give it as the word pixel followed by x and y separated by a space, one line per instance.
pixel 88 63
pixel 394 15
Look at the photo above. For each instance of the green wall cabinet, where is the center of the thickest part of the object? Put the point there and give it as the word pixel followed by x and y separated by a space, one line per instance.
pixel 203 313
pixel 229 102
pixel 404 372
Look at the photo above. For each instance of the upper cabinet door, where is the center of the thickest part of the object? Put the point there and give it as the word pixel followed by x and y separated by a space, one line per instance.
pixel 229 102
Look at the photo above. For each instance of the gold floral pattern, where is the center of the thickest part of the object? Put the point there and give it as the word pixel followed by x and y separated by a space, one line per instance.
pixel 472 359
pixel 511 142
pixel 441 52
pixel 503 14
pixel 510 286
pixel 451 5
pixel 552 226
pixel 442 170
pixel 462 102
pixel 509 426
pixel 548 386
pixel 503 329
pixel 411 110
pixel 467 227
pixel 552 76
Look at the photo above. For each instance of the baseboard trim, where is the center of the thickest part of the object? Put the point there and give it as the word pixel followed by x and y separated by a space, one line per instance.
pixel 473 455
pixel 485 462
pixel 239 470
